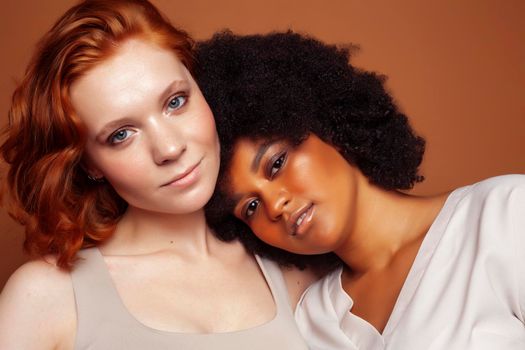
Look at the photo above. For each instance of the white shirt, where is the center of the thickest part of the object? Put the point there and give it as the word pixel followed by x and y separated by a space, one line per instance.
pixel 465 290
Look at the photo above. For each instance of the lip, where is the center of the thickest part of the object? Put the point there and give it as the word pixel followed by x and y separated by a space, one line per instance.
pixel 294 229
pixel 186 178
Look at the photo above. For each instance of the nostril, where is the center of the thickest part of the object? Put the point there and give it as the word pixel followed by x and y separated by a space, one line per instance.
pixel 169 154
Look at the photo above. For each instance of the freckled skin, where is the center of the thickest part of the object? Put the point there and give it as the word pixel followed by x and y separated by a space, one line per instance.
pixel 313 172
pixel 160 141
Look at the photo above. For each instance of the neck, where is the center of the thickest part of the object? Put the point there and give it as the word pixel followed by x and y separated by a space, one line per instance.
pixel 385 223
pixel 143 232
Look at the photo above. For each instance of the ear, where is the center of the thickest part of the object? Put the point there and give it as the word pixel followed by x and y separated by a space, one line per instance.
pixel 90 169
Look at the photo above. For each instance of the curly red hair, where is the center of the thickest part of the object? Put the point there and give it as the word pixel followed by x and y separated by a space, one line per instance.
pixel 45 187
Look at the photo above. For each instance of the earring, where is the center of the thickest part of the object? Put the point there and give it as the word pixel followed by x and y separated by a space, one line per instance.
pixel 95 179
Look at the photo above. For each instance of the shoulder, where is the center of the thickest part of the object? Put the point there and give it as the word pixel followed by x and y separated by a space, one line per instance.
pixel 297 281
pixel 499 201
pixel 485 195
pixel 40 279
pixel 324 287
pixel 319 300
pixel 492 211
pixel 37 305
pixel 499 184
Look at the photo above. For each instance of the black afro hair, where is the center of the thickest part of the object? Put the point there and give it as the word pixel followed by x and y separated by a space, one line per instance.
pixel 286 86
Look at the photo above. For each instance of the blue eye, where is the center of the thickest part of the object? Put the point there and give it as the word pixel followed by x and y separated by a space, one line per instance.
pixel 251 208
pixel 176 103
pixel 120 136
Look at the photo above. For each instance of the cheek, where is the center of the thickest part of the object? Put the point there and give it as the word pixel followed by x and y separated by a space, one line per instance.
pixel 314 178
pixel 305 175
pixel 269 232
pixel 204 130
pixel 260 229
pixel 128 170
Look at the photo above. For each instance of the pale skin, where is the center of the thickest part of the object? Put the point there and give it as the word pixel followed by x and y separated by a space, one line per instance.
pixel 152 137
pixel 377 233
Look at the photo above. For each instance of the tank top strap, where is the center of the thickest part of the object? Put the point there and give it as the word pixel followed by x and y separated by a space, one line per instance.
pixel 97 301
pixel 274 276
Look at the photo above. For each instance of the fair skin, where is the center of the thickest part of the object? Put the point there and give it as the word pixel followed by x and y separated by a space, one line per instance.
pixel 152 137
pixel 309 200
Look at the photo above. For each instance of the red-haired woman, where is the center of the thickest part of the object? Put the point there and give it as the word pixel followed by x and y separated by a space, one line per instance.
pixel 112 154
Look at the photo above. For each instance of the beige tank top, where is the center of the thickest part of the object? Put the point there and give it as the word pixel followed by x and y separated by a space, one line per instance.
pixel 103 322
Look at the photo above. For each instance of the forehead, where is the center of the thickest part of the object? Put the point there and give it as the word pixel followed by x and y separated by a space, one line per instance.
pixel 248 152
pixel 134 63
pixel 136 69
pixel 239 168
pixel 244 152
pixel 246 166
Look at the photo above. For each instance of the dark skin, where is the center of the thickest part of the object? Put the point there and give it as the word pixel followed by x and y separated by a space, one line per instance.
pixel 376 232
pixel 374 280
pixel 284 86
pixel 375 292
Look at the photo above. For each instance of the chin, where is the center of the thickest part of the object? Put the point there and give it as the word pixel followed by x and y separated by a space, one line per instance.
pixel 193 201
pixel 305 250
pixel 314 251
pixel 187 203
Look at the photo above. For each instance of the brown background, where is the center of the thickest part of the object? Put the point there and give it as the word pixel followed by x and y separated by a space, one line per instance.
pixel 457 68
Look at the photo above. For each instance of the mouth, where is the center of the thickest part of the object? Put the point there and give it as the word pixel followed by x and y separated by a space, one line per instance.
pixel 186 178
pixel 301 220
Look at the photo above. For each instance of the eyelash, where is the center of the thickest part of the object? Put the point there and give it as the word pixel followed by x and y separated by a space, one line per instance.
pixel 184 96
pixel 247 208
pixel 273 163
pixel 111 138
pixel 280 157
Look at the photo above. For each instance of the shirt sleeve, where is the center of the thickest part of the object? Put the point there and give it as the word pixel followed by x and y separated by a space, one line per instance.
pixel 516 212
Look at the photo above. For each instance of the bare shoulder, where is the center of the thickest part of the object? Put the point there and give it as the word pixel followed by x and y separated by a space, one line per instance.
pixel 298 280
pixel 37 308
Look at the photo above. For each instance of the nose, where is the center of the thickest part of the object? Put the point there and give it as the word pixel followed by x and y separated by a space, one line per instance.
pixel 167 144
pixel 277 202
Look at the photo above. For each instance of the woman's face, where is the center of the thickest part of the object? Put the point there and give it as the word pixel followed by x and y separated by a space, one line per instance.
pixel 300 199
pixel 151 134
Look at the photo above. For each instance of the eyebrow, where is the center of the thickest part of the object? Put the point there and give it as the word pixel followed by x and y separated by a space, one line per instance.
pixel 176 84
pixel 236 197
pixel 260 153
pixel 112 125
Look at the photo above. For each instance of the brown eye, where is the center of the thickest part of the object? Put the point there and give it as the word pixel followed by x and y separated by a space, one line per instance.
pixel 277 164
pixel 251 208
